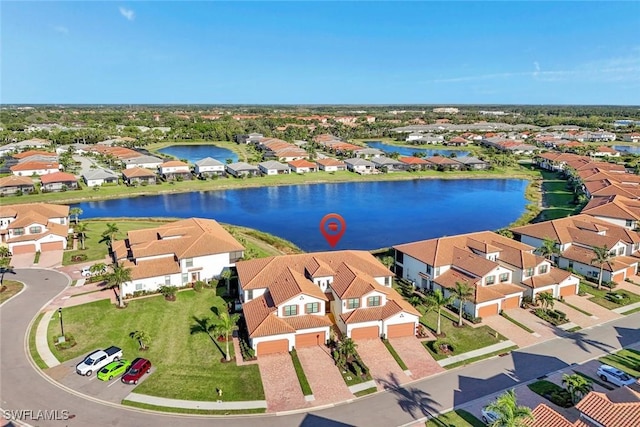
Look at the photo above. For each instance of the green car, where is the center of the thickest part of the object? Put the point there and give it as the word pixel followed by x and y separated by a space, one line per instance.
pixel 113 369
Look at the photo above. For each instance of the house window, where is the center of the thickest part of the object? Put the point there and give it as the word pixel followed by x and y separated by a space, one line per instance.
pixel 18 231
pixel 621 251
pixel 542 269
pixel 138 286
pixel 235 256
pixel 629 223
pixel 249 294
pixel 373 301
pixel 490 280
pixel 504 277
pixel 528 272
pixel 387 281
pixel 185 278
pixel 36 229
pixel 312 307
pixel 290 310
pixel 188 262
pixel 429 269
pixel 437 271
pixel 399 257
pixel 167 280
pixel 353 303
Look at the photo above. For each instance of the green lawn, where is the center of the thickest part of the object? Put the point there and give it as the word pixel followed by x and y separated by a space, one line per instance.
pixel 395 355
pixel 365 392
pixel 484 356
pixel 543 387
pixel 32 344
pixel 599 296
pixel 188 366
pixel 627 360
pixel 462 339
pixel 558 199
pixel 10 288
pixel 302 378
pixel 457 418
pixel 191 411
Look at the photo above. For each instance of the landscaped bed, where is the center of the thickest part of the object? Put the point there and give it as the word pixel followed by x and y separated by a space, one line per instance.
pixel 188 364
pixel 604 296
pixel 627 360
pixel 552 392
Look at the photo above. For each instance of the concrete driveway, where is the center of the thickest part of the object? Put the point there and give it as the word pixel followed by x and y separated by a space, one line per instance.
pixel 281 386
pixel 512 331
pixel 601 314
pixel 22 260
pixel 48 259
pixel 416 357
pixel 323 375
pixel 383 367
pixel 530 320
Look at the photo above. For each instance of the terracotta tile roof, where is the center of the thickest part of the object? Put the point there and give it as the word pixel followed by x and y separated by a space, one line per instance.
pixel 34 153
pixel 28 166
pixel 350 282
pixel 58 177
pixel 44 209
pixel 261 321
pixel 152 268
pixel 544 416
pixel 137 173
pixel 617 408
pixel 585 256
pixel 317 268
pixel 554 276
pixel 472 263
pixel 441 160
pixel 617 206
pixel 173 164
pixel 368 314
pixel 15 181
pixel 449 278
pixel 302 163
pixel 290 284
pixel 307 321
pixel 411 160
pixel 330 162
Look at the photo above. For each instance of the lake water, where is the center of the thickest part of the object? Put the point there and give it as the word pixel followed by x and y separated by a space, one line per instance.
pixel 194 153
pixel 377 214
pixel 408 151
pixel 632 149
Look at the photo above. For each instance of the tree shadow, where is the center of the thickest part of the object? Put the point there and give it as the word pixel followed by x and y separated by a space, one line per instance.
pixel 204 326
pixel 412 400
pixel 581 339
pixel 5 270
pixel 313 420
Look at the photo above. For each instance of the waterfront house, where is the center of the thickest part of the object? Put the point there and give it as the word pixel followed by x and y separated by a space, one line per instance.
pixel 176 254
pixel 142 161
pixel 329 164
pixel 444 163
pixel 457 141
pixel 175 170
pixel 97 177
pixel 271 167
pixel 367 153
pixel 472 163
pixel 13 184
pixel 420 138
pixel 136 175
pixel 416 163
pixel 31 227
pixel 387 164
pixel 292 301
pixel 604 151
pixel 242 169
pixel 303 166
pixel 58 181
pixel 617 209
pixel 34 168
pixel 208 167
pixel 360 166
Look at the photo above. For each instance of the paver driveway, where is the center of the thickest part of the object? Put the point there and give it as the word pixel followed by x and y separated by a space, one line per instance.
pixel 602 314
pixel 323 376
pixel 513 332
pixel 384 369
pixel 542 328
pixel 281 387
pixel 416 357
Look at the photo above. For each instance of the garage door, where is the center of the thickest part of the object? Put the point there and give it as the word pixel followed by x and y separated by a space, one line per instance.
pixel 311 339
pixel 511 302
pixel 23 249
pixel 631 271
pixel 618 277
pixel 50 246
pixel 270 347
pixel 365 333
pixel 401 330
pixel 567 290
pixel 488 310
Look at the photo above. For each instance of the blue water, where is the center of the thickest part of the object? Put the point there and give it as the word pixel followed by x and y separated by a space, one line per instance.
pixel 194 153
pixel 408 151
pixel 378 214
pixel 632 149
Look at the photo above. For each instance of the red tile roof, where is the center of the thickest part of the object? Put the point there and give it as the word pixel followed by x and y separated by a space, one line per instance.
pixel 58 177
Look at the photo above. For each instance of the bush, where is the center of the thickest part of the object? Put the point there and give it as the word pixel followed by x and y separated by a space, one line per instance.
pixel 79 258
pixel 69 342
pixel 610 285
pixel 213 283
pixel 198 285
pixel 561 398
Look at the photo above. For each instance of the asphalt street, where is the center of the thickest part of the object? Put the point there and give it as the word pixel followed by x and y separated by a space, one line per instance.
pixel 23 387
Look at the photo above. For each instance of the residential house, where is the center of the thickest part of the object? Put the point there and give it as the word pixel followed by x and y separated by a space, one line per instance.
pixel 499 270
pixel 208 167
pixel 242 169
pixel 292 301
pixel 248 139
pixel 577 236
pixel 619 210
pixel 604 151
pixel 416 163
pixel 387 164
pixel 143 161
pixel 360 166
pixel 136 175
pixel 472 163
pixel 271 167
pixel 176 254
pixel 31 227
pixel 444 163
pixel 419 138
pixel 13 184
pixel 34 168
pixel 29 153
pixel 367 153
pixel 58 181
pixel 97 177
pixel 175 170
pixel 329 164
pixel 457 141
pixel 632 137
pixel 303 166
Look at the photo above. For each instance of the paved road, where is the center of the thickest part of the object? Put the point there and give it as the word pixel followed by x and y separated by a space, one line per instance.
pixel 23 387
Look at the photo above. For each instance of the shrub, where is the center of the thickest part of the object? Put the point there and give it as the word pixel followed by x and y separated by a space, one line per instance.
pixel 79 258
pixel 213 283
pixel 561 398
pixel 198 285
pixel 608 284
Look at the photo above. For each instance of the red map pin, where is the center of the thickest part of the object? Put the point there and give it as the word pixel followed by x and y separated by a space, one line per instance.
pixel 332 228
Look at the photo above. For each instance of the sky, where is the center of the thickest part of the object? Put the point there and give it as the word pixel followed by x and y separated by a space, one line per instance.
pixel 325 52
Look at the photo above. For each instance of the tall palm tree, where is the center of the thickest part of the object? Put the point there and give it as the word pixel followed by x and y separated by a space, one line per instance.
pixel 98 268
pixel 117 278
pixel 142 337
pixel 436 300
pixel 548 248
pixel 602 255
pixel 75 213
pixel 225 326
pixel 509 413
pixel 81 232
pixel 545 299
pixel 109 234
pixel 463 293
pixel 577 385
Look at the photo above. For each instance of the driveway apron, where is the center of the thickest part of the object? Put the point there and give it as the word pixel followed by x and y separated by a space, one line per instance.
pixel 416 357
pixel 281 387
pixel 384 369
pixel 323 375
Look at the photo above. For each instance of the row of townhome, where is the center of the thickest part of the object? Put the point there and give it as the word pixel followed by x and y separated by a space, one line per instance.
pixel 33 227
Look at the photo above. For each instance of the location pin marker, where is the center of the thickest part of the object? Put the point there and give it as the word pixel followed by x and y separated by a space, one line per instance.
pixel 332 228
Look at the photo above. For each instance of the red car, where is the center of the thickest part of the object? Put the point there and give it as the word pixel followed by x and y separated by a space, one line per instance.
pixel 138 368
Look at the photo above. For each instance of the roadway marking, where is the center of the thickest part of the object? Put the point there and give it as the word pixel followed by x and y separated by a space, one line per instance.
pixel 114 382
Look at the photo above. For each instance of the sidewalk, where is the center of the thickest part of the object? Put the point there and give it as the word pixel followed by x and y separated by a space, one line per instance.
pixel 475 353
pixel 42 346
pixel 200 405
pixel 78 295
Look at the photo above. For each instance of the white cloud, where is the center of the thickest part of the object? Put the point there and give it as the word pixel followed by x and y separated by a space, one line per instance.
pixel 61 29
pixel 127 13
pixel 537 71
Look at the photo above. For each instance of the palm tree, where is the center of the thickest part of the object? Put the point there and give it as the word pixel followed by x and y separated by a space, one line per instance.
pixel 463 293
pixel 109 234
pixel 117 278
pixel 142 337
pixel 4 252
pixel 509 413
pixel 225 326
pixel 577 385
pixel 98 268
pixel 347 351
pixel 81 232
pixel 549 248
pixel 602 256
pixel 436 300
pixel 545 299
pixel 226 275
pixel 75 213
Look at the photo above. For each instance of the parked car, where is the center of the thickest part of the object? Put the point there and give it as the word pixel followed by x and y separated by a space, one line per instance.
pixel 86 272
pixel 489 417
pixel 113 369
pixel 614 376
pixel 98 359
pixel 138 368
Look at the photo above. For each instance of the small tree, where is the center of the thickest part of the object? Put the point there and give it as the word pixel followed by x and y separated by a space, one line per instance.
pixel 509 413
pixel 225 326
pixel 602 256
pixel 577 386
pixel 226 275
pixel 548 249
pixel 116 280
pixel 463 293
pixel 81 232
pixel 98 268
pixel 169 292
pixel 435 301
pixel 75 213
pixel 545 299
pixel 109 235
pixel 142 337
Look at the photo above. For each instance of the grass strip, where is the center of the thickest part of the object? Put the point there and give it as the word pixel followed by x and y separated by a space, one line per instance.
pixel 302 378
pixel 593 380
pixel 515 322
pixel 193 411
pixel 544 387
pixel 395 355
pixel 11 288
pixel 574 329
pixel 457 418
pixel 365 392
pixel 32 344
pixel 635 310
pixel 577 308
pixel 482 357
pixel 627 360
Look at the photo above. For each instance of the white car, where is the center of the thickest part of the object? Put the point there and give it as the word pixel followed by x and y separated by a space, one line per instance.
pixel 489 417
pixel 86 272
pixel 614 376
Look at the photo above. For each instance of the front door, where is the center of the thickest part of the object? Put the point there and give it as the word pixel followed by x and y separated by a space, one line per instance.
pixel 195 276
